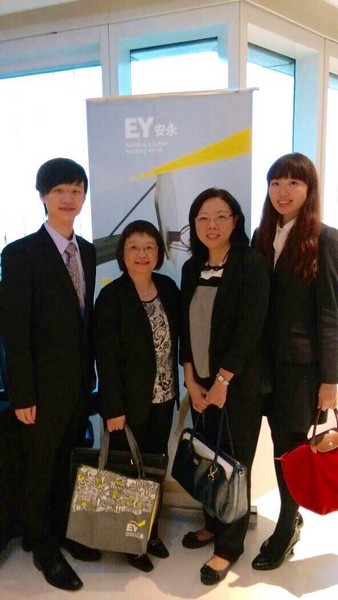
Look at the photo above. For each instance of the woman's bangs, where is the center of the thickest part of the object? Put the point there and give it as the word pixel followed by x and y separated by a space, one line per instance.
pixel 286 168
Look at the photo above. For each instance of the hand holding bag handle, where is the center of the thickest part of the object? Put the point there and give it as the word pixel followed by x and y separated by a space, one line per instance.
pixel 133 446
pixel 155 465
pixel 214 467
pixel 327 440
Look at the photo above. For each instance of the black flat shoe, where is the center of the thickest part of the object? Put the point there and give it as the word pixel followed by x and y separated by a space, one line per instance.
pixel 191 541
pixel 266 562
pixel 141 562
pixel 157 548
pixel 81 552
pixel 210 576
pixel 59 573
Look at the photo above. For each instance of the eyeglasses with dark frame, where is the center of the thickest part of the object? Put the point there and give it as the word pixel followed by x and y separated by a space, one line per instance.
pixel 218 219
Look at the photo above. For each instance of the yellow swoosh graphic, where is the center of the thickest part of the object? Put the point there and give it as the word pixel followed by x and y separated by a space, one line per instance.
pixel 139 524
pixel 229 147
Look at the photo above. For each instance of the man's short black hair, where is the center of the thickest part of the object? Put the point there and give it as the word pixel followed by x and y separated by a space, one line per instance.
pixel 57 171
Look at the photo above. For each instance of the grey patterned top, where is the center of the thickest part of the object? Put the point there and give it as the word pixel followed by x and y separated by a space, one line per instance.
pixel 164 388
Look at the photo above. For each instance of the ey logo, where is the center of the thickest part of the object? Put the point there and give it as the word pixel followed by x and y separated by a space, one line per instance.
pixel 137 127
pixel 135 529
pixel 133 526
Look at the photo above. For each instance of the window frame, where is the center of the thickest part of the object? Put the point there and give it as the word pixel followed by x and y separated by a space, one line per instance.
pixel 194 24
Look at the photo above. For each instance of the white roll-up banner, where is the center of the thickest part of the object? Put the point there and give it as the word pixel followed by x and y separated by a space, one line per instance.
pixel 150 156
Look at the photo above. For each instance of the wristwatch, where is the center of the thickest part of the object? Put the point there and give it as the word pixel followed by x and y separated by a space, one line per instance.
pixel 222 379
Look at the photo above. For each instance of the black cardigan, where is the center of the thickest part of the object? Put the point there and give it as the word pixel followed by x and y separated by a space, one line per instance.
pixel 125 354
pixel 238 317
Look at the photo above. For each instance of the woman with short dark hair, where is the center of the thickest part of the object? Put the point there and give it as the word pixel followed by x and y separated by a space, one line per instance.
pixel 136 331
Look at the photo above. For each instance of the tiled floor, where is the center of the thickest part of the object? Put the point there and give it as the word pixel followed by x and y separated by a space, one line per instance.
pixel 311 574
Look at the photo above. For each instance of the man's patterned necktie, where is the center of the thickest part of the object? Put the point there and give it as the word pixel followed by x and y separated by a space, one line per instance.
pixel 73 270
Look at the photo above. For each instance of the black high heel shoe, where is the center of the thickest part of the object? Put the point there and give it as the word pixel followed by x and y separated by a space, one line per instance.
pixel 266 562
pixel 298 525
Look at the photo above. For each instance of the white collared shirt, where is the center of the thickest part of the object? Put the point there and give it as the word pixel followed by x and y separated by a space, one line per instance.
pixel 281 237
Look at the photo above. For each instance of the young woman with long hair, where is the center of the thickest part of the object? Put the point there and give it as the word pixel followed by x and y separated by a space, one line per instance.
pixel 302 325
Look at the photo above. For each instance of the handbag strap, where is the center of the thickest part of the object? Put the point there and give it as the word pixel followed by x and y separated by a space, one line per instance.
pixel 133 446
pixel 229 432
pixel 223 412
pixel 312 441
pixel 135 451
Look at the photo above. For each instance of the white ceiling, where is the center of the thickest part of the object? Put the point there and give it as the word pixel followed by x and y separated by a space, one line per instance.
pixel 13 6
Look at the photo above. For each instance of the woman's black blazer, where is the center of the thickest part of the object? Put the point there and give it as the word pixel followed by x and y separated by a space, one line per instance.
pixel 304 317
pixel 125 354
pixel 238 317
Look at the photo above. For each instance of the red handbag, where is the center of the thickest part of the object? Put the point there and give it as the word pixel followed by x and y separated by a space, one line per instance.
pixel 311 471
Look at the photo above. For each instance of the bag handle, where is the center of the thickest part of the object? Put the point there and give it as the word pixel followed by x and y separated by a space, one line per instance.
pixel 133 446
pixel 224 412
pixel 312 440
pixel 317 420
pixel 135 451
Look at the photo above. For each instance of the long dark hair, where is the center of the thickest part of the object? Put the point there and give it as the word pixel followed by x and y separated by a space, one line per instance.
pixel 238 237
pixel 301 248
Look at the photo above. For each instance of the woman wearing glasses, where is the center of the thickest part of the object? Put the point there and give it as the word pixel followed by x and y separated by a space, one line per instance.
pixel 224 299
pixel 136 330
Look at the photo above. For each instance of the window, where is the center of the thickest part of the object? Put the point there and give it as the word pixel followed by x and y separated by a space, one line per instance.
pixel 273 102
pixel 197 66
pixel 41 116
pixel 186 66
pixel 330 213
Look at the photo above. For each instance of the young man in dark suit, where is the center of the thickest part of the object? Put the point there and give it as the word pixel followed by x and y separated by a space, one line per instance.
pixel 46 309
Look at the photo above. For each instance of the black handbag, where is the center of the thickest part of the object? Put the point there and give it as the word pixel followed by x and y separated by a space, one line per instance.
pixel 211 476
pixel 120 461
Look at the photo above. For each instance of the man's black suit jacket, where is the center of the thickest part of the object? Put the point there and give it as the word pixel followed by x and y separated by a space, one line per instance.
pixel 49 355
